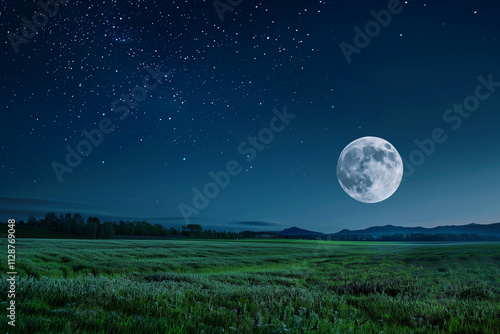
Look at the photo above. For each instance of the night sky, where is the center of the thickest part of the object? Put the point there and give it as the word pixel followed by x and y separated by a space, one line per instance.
pixel 214 84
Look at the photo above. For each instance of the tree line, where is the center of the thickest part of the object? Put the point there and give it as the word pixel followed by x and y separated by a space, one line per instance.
pixel 93 228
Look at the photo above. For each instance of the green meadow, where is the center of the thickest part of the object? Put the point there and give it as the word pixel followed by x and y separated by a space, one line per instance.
pixel 253 286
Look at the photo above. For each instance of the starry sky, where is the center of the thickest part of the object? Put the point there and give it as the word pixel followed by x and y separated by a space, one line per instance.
pixel 220 75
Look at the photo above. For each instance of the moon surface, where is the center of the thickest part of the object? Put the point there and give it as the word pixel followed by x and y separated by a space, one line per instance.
pixel 370 169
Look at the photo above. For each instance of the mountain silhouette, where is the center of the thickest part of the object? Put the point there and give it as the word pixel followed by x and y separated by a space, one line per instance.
pixel 298 231
pixel 486 229
pixel 480 229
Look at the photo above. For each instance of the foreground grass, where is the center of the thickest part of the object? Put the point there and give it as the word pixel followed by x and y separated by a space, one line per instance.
pixel 254 286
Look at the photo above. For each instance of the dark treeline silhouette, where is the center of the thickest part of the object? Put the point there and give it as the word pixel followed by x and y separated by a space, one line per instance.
pixel 93 228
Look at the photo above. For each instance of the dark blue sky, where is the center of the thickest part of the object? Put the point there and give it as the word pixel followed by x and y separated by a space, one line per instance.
pixel 224 80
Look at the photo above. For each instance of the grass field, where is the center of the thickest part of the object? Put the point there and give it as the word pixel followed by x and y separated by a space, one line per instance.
pixel 253 286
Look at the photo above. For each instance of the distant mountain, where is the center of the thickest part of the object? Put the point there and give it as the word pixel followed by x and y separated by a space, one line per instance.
pixel 480 229
pixel 486 229
pixel 297 231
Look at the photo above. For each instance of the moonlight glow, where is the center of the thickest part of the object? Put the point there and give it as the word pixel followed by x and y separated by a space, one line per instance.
pixel 370 169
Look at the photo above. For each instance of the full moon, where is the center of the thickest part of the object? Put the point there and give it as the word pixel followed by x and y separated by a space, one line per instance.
pixel 370 169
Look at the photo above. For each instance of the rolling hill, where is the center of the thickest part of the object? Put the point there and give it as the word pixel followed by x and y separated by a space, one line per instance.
pixel 480 229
